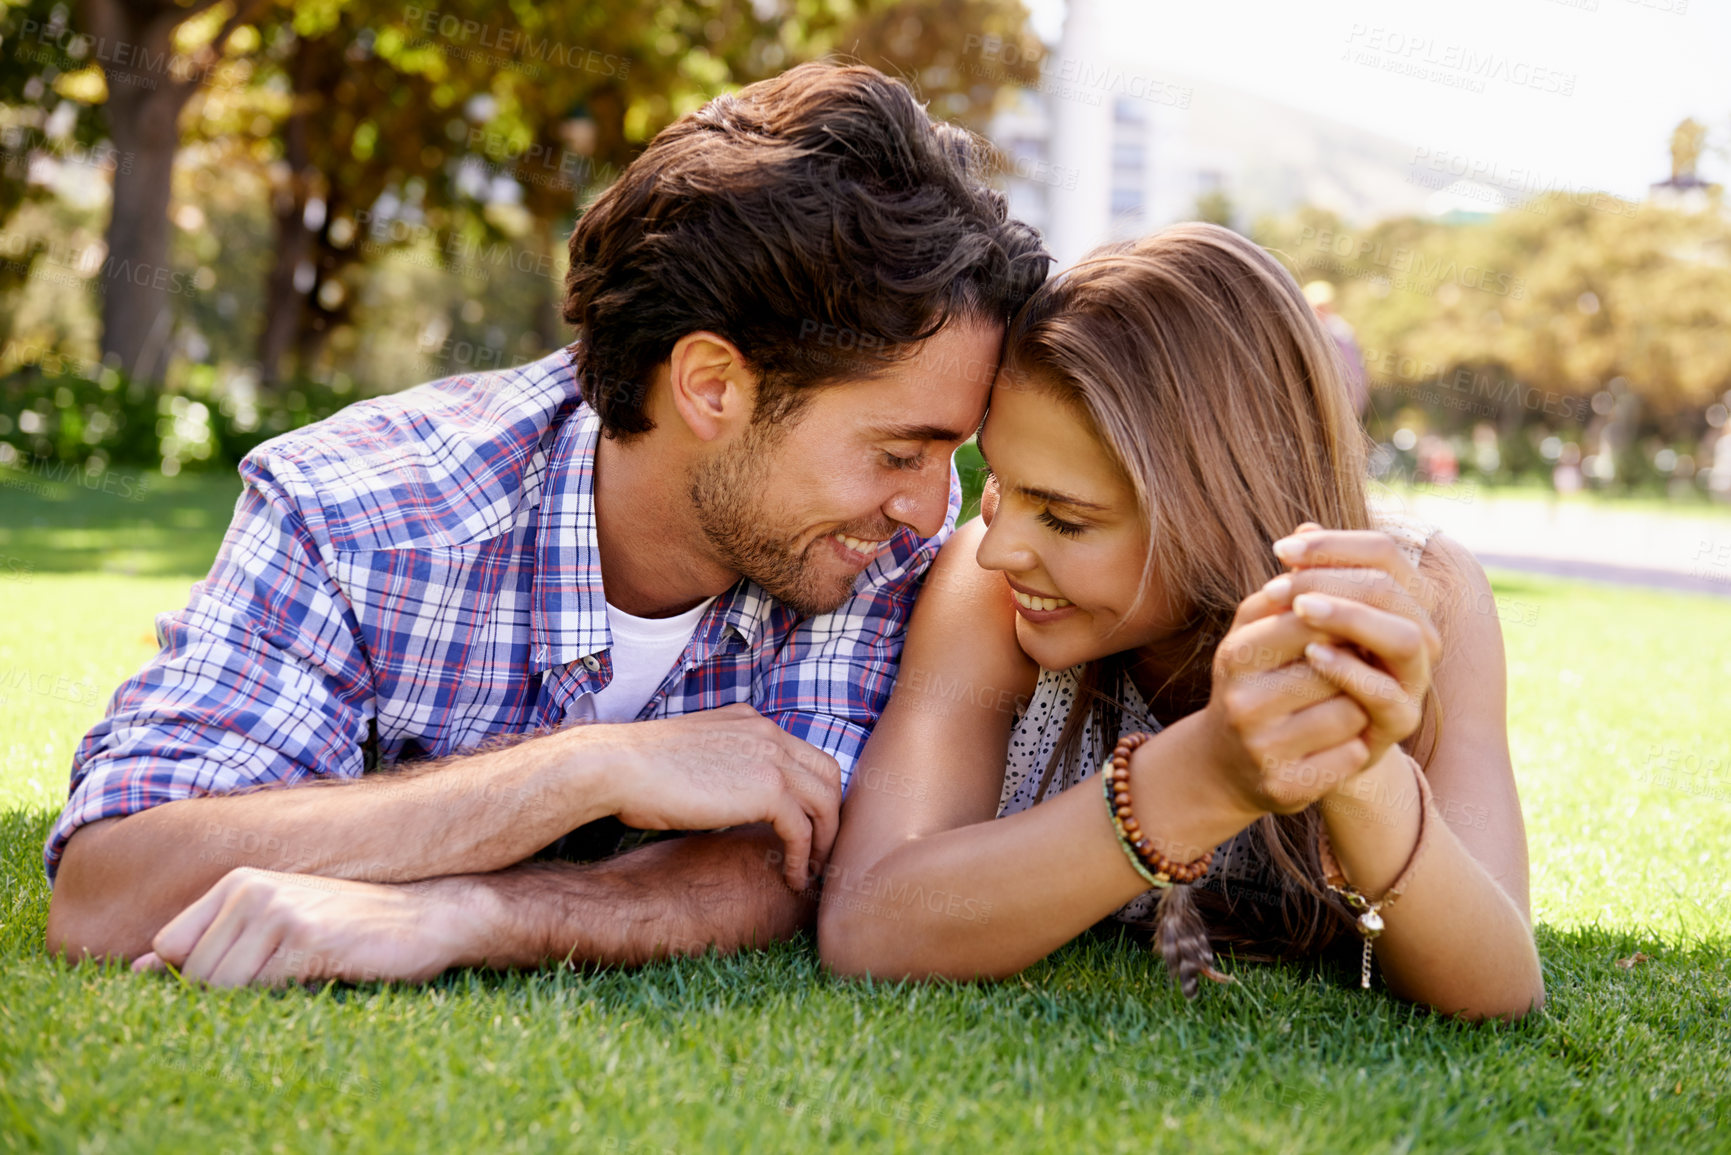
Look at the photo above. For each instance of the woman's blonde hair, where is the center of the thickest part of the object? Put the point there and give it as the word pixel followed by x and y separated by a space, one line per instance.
pixel 1206 374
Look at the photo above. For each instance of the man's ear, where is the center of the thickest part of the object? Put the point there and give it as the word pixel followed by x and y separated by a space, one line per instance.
pixel 712 389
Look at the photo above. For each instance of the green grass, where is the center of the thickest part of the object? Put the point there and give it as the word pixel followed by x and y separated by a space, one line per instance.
pixel 138 525
pixel 1621 743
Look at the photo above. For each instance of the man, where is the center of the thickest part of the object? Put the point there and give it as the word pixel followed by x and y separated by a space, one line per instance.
pixel 678 557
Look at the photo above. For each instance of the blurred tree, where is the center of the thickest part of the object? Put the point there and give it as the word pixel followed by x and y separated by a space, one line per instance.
pixel 147 59
pixel 956 54
pixel 1214 207
pixel 1687 141
pixel 355 124
pixel 1548 302
pixel 476 128
pixel 38 122
pixel 487 126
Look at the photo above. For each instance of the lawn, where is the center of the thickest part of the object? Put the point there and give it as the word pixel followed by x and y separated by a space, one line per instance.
pixel 1621 741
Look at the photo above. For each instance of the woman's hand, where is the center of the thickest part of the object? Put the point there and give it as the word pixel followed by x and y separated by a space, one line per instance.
pixel 1357 588
pixel 1283 734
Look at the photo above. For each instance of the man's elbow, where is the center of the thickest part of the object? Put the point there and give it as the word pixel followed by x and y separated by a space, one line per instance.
pixel 82 927
pixel 85 919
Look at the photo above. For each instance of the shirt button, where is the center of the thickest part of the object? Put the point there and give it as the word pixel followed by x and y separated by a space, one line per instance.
pixel 591 663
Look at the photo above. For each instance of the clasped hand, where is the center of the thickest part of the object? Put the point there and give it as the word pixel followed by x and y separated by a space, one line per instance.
pixel 1323 670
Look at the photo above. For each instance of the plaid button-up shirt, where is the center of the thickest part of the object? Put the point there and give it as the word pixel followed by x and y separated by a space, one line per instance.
pixel 421 571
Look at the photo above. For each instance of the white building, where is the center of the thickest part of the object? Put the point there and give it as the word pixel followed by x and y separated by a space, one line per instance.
pixel 1105 148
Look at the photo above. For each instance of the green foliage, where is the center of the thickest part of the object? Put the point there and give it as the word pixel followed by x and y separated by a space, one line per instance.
pixel 1214 207
pixel 90 423
pixel 1560 295
pixel 36 118
pixel 971 470
pixel 1602 323
pixel 398 121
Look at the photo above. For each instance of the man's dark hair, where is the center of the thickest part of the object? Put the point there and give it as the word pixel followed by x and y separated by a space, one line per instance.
pixel 821 221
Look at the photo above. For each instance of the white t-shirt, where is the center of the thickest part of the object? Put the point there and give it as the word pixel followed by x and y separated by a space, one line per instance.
pixel 644 649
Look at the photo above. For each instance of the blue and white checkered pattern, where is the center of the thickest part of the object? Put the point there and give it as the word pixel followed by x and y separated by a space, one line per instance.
pixel 428 561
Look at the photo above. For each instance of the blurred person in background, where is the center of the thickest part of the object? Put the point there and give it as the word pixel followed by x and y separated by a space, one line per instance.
pixel 1320 294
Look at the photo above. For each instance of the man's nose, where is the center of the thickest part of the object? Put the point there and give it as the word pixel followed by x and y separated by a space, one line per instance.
pixel 922 504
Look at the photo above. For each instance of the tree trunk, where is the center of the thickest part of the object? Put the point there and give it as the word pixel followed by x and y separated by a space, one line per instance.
pixel 320 318
pixel 549 319
pixel 285 301
pixel 134 44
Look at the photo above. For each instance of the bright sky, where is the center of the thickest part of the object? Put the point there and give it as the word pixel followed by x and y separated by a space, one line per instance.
pixel 1638 67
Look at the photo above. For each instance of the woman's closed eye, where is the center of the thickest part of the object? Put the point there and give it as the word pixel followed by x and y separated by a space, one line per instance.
pixel 989 500
pixel 1059 525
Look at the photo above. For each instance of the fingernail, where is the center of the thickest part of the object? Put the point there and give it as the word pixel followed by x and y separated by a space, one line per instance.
pixel 1288 549
pixel 1278 587
pixel 1320 652
pixel 1311 606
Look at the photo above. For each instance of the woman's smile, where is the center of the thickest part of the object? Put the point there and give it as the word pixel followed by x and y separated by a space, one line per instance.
pixel 1038 607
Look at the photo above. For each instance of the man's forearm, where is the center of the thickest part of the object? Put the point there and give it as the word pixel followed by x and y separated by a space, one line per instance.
pixel 675 897
pixel 122 879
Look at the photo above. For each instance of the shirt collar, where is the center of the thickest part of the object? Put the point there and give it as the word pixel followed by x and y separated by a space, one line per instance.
pixel 568 607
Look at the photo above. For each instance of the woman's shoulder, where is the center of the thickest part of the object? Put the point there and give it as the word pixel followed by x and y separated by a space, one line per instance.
pixel 964 617
pixel 1453 584
pixel 1411 533
pixel 1462 599
pixel 1432 552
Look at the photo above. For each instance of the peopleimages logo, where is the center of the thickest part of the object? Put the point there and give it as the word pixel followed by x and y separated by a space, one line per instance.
pixel 1508 186
pixel 1453 65
pixel 1386 368
pixel 1072 77
pixel 123 62
pixel 514 42
pixel 1417 271
pixel 39 472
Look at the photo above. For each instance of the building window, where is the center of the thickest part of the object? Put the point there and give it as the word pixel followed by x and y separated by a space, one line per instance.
pixel 1126 201
pixel 1129 110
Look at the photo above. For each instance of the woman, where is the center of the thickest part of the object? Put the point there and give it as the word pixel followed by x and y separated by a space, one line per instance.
pixel 1171 426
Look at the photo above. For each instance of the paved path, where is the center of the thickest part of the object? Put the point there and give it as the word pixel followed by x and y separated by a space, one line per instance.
pixel 1668 551
pixel 1620 575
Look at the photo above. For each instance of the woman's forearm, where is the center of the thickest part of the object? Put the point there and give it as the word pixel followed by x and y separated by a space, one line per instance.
pixel 989 899
pixel 1453 939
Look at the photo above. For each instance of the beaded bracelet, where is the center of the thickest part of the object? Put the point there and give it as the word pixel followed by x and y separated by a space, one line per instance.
pixel 1154 867
pixel 1369 913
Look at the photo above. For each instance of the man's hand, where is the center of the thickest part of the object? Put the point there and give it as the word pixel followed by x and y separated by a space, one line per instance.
pixel 729 767
pixel 259 926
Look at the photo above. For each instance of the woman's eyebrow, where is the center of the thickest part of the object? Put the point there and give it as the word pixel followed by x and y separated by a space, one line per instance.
pixel 1049 496
pixel 1053 497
